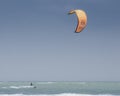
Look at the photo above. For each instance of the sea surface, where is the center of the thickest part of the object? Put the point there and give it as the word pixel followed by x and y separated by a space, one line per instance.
pixel 60 89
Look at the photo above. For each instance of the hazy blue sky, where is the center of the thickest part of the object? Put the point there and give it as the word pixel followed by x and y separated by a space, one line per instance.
pixel 37 41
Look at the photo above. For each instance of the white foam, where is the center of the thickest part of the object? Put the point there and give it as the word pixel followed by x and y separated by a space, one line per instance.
pixel 18 87
pixel 45 82
pixel 64 94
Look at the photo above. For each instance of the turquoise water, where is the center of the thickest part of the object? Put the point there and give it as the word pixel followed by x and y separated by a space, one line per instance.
pixel 59 88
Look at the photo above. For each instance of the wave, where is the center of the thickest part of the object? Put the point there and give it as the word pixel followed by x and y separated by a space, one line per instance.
pixel 45 82
pixel 18 87
pixel 64 94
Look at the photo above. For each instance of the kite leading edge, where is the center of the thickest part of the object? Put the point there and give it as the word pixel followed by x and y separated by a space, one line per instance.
pixel 82 19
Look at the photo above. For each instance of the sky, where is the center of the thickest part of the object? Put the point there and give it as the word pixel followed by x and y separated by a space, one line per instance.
pixel 38 42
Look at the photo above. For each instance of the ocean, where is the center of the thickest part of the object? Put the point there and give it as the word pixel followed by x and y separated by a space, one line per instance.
pixel 60 89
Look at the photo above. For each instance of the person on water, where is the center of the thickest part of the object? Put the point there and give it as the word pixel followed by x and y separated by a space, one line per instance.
pixel 31 84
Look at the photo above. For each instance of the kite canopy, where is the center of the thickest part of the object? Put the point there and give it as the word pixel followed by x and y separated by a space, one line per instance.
pixel 82 19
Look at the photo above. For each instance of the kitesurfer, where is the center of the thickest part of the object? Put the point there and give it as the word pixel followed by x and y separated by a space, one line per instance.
pixel 31 84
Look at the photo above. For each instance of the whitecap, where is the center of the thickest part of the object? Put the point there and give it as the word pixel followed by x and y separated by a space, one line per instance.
pixel 18 87
pixel 63 94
